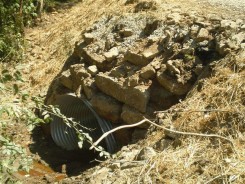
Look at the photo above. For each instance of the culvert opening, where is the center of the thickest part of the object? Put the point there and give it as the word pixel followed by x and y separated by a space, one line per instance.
pixel 130 66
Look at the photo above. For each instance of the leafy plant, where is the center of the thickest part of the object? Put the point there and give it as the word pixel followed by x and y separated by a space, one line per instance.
pixel 13 112
pixel 14 15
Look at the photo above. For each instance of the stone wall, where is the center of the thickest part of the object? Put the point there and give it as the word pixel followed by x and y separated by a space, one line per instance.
pixel 132 65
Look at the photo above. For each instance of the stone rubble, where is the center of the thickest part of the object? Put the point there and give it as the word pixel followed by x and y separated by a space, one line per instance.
pixel 133 65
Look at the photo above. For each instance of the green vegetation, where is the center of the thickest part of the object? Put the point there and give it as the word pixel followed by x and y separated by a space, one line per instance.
pixel 14 112
pixel 14 15
pixel 16 105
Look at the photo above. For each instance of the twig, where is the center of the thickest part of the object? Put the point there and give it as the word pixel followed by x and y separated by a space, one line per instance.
pixel 210 110
pixel 213 179
pixel 115 129
pixel 162 127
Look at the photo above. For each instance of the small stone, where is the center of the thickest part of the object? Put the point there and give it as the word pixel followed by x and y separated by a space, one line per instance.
pixel 147 72
pixel 115 166
pixel 89 87
pixel 163 144
pixel 79 72
pixel 243 27
pixel 111 54
pixel 66 80
pixel 88 38
pixel 93 70
pixel 202 35
pixel 173 18
pixel 194 31
pixel 132 81
pixel 130 116
pixel 107 107
pixel 126 32
pixel 228 24
pixel 171 67
pixel 198 69
pixel 93 58
pixel 146 153
pixel 135 58
pixel 239 38
pixel 214 17
pixel 172 85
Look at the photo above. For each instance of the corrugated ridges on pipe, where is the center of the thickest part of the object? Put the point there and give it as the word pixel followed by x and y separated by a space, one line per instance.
pixel 81 111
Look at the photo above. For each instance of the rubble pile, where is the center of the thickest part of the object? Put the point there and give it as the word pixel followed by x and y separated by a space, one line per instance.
pixel 130 66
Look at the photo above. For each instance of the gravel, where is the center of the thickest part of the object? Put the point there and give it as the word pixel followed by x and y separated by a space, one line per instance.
pixel 234 4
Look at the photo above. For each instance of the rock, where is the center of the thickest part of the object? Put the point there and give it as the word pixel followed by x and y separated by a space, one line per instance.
pixel 173 18
pixel 107 107
pixel 152 51
pixel 118 72
pixel 146 153
pixel 214 17
pixel 161 97
pixel 66 79
pixel 79 72
pixel 130 116
pixel 202 35
pixel 93 58
pixel 136 97
pixel 135 58
pixel 88 38
pixel 132 81
pixel 222 46
pixel 110 42
pixel 126 32
pixel 128 153
pixel 171 67
pixel 194 30
pixel 228 24
pixel 156 63
pixel 111 54
pixel 89 87
pixel 243 27
pixel 147 72
pixel 163 144
pixel 172 85
pixel 141 58
pixel 238 38
pixel 92 70
pixel 198 69
pixel 115 166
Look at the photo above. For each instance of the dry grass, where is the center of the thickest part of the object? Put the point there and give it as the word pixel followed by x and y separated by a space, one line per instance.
pixel 215 105
pixel 55 40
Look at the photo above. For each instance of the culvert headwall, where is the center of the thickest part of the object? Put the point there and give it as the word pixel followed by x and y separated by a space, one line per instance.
pixel 130 66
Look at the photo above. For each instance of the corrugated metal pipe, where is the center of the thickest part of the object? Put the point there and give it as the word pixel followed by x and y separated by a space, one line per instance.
pixel 82 112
